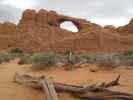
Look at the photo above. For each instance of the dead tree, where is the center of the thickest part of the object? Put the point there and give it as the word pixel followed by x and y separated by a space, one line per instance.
pixel 92 92
pixel 49 89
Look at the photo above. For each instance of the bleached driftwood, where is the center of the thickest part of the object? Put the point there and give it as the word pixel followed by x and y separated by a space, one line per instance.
pixel 92 92
pixel 49 89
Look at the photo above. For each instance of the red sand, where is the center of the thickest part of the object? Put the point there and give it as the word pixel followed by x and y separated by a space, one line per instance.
pixel 82 76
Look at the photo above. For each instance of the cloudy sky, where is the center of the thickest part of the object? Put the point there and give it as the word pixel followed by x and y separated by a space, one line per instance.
pixel 115 12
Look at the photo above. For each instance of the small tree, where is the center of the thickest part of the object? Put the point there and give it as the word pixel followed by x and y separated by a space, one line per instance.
pixel 68 55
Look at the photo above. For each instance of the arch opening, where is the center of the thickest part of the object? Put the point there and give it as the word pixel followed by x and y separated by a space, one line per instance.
pixel 69 26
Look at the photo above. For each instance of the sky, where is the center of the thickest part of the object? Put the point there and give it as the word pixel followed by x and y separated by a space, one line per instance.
pixel 103 12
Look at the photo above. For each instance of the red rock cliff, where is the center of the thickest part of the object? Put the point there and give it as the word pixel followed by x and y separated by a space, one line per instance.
pixel 40 31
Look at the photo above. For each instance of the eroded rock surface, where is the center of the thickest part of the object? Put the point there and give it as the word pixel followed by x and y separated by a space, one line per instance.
pixel 40 31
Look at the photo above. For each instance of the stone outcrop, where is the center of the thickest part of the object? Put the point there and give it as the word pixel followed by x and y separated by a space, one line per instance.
pixel 40 31
pixel 32 20
pixel 127 29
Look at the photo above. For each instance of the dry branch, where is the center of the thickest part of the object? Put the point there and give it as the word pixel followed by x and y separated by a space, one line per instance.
pixel 92 92
pixel 49 89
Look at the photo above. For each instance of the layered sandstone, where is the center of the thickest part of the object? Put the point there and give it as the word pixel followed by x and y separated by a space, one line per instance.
pixel 40 31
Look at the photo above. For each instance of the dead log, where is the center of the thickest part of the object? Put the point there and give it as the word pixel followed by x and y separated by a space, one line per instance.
pixel 113 83
pixel 35 82
pixel 92 92
pixel 106 95
pixel 49 89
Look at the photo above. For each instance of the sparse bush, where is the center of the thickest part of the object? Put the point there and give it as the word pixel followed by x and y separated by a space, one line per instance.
pixel 127 60
pixel 25 58
pixel 105 60
pixel 128 53
pixel 88 58
pixel 5 57
pixel 16 50
pixel 11 54
pixel 40 61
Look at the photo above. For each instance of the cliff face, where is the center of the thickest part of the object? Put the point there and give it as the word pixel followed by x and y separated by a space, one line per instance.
pixel 40 31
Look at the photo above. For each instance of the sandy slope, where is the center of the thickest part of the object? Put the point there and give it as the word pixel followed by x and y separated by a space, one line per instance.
pixel 12 91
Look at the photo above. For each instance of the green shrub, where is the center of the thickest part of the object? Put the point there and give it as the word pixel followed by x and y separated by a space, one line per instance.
pixel 105 61
pixel 127 60
pixel 88 58
pixel 108 60
pixel 128 53
pixel 5 57
pixel 40 61
pixel 11 54
pixel 25 58
pixel 16 50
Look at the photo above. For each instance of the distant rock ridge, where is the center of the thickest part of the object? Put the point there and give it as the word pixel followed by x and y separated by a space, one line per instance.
pixel 40 31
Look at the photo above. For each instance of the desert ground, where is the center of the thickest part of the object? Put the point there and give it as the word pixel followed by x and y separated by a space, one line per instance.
pixel 9 90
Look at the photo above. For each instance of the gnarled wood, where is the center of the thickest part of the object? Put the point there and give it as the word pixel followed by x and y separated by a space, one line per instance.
pixel 92 92
pixel 49 89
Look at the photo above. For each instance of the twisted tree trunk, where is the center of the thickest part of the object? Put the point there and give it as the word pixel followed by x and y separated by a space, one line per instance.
pixel 92 92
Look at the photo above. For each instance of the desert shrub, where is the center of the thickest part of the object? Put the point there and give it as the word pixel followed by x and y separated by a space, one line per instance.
pixel 105 60
pixel 16 50
pixel 88 58
pixel 128 53
pixel 11 54
pixel 5 57
pixel 40 61
pixel 102 59
pixel 127 60
pixel 25 58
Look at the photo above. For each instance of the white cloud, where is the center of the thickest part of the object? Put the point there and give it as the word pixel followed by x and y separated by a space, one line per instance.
pixel 22 4
pixel 110 21
pixel 116 12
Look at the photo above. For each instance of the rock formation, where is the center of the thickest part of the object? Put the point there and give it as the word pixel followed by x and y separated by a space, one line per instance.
pixel 40 31
pixel 127 29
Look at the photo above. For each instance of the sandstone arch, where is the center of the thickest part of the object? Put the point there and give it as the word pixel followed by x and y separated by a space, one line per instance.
pixel 69 26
